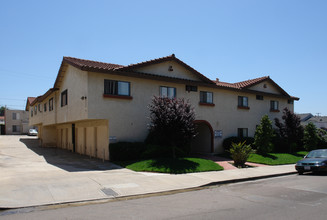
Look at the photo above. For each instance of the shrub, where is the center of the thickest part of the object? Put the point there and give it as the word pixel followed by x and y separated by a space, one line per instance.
pixel 280 144
pixel 155 151
pixel 123 151
pixel 240 153
pixel 322 138
pixel 263 136
pixel 291 130
pixel 310 138
pixel 227 143
pixel 172 122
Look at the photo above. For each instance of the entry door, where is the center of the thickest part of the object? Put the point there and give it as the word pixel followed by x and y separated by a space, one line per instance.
pixel 73 137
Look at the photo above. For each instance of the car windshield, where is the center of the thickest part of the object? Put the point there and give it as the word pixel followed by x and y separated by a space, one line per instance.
pixel 317 154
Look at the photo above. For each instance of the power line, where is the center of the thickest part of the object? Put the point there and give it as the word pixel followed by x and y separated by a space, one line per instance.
pixel 13 99
pixel 24 74
pixel 11 105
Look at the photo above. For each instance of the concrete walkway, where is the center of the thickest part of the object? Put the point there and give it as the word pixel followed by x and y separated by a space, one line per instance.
pixel 33 176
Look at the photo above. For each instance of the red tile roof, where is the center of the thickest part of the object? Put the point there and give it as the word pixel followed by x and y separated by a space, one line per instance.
pixel 167 58
pixel 89 64
pixel 31 99
pixel 243 84
pixel 145 63
pixel 250 82
pixel 131 70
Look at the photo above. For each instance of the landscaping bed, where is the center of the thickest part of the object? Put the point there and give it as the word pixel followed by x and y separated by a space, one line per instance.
pixel 171 165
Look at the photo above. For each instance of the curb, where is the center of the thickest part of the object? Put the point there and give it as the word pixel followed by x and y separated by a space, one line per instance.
pixel 8 211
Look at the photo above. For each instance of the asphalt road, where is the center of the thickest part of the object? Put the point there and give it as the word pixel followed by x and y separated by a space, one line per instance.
pixel 288 197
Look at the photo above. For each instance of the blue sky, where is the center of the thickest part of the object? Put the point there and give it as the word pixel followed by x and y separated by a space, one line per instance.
pixel 230 40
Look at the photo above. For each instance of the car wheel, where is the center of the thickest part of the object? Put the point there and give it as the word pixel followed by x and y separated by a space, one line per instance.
pixel 300 173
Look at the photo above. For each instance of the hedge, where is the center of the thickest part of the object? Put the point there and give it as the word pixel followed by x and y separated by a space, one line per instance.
pixel 123 151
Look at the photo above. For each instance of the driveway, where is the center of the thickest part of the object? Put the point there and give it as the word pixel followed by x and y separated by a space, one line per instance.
pixel 33 176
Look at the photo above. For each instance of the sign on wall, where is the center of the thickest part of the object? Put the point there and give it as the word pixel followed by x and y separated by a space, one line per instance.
pixel 218 133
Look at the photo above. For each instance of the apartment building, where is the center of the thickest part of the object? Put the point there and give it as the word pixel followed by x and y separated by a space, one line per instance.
pixel 93 104
pixel 16 122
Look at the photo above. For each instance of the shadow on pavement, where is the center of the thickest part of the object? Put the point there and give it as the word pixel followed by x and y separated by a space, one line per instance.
pixel 66 160
pixel 316 173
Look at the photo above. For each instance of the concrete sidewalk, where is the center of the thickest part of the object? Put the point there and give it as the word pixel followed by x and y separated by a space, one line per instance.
pixel 32 176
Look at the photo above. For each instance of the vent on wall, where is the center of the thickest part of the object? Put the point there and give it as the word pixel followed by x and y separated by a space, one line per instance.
pixel 191 88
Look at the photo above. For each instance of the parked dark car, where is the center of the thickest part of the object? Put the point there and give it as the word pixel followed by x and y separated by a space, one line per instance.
pixel 315 160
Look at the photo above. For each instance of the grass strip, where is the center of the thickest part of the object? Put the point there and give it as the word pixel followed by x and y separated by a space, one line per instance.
pixel 171 165
pixel 277 158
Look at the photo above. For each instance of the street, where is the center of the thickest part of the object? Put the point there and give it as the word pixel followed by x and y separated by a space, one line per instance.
pixel 288 197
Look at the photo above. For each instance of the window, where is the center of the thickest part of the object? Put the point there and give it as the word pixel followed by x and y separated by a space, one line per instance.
pixel 64 98
pixel 45 107
pixel 259 97
pixel 50 104
pixel 190 88
pixel 39 107
pixel 290 101
pixel 35 110
pixel 273 105
pixel 206 97
pixel 169 92
pixel 31 112
pixel 112 87
pixel 14 116
pixel 242 132
pixel 15 128
pixel 243 101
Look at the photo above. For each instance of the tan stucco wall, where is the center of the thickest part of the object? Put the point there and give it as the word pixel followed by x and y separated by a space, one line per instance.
pixel 92 138
pixel 75 81
pixel 43 117
pixel 98 118
pixel 265 87
pixel 128 119
pixel 179 71
pixel 48 136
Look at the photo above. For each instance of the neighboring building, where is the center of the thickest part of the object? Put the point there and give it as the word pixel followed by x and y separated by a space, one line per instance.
pixel 16 122
pixel 318 121
pixel 93 104
pixel 305 116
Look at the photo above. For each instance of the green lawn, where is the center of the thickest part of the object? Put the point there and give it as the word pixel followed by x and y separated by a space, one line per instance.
pixel 170 165
pixel 277 158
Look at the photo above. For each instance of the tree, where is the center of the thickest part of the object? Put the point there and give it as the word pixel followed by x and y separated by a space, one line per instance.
pixel 322 135
pixel 172 122
pixel 291 130
pixel 2 110
pixel 263 136
pixel 310 138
